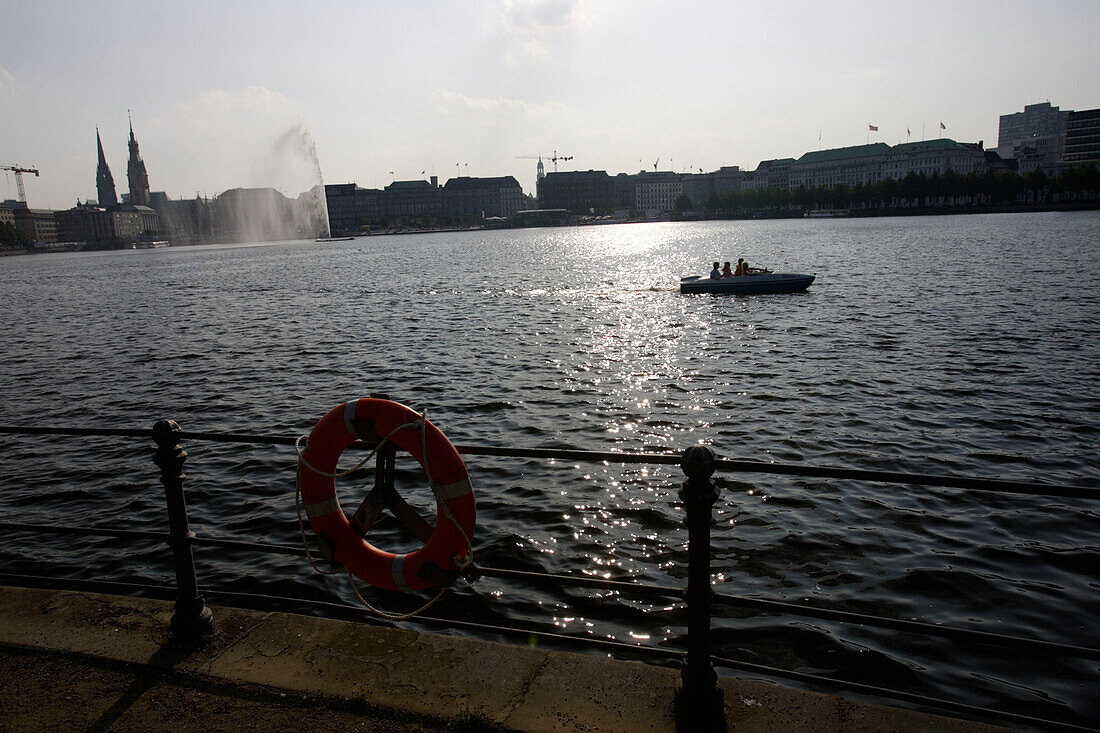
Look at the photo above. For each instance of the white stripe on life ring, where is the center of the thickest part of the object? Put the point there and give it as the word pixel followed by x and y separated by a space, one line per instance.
pixel 322 508
pixel 397 572
pixel 455 490
pixel 349 415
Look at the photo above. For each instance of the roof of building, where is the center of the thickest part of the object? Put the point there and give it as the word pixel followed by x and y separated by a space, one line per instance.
pixel 856 151
pixel 408 185
pixel 926 145
pixel 495 182
pixel 576 175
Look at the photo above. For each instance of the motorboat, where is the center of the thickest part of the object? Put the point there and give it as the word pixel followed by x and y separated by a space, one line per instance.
pixel 764 282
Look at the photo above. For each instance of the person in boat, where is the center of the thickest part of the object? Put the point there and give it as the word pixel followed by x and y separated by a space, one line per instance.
pixel 726 270
pixel 714 273
pixel 744 269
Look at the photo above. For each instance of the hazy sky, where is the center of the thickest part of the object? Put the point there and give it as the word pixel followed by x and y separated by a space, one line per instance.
pixel 451 87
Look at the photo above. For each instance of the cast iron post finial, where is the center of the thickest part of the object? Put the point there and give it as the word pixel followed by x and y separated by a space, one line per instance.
pixel 192 619
pixel 699 705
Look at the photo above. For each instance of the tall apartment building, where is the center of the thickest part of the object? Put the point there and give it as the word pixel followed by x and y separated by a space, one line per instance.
pixel 1037 120
pixel 1082 144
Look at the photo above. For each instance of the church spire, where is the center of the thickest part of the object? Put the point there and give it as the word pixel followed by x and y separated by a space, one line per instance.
pixel 104 181
pixel 135 172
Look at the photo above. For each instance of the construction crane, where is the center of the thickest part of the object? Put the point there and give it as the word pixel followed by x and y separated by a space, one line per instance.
pixel 552 158
pixel 19 171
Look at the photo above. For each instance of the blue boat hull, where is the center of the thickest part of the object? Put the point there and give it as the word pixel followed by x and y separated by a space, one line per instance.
pixel 772 282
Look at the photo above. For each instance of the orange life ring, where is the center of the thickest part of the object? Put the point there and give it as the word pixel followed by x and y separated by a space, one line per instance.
pixel 447 472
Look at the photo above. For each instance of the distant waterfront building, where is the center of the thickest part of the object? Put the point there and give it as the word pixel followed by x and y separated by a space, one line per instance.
pixel 932 157
pixel 107 227
pixel 136 175
pixel 701 186
pixel 421 200
pixel 39 225
pixel 104 181
pixel 423 203
pixel 777 171
pixel 1037 120
pixel 1082 144
pixel 580 192
pixel 351 208
pixel 185 221
pixel 655 193
pixel 840 166
pixel 624 185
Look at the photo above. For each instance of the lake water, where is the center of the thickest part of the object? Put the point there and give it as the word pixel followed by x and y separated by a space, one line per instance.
pixel 965 345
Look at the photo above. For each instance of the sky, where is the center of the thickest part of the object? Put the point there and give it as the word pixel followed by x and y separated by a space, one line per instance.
pixel 226 94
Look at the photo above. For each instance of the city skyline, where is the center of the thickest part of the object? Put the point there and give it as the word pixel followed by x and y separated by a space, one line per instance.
pixel 420 89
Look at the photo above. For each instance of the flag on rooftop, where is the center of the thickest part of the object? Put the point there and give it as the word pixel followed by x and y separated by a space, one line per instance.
pixel 941 125
pixel 873 128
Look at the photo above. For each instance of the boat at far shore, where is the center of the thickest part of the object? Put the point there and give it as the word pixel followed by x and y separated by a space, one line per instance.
pixel 764 282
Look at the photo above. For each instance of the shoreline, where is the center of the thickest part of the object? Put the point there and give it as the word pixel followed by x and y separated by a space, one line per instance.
pixel 1073 206
pixel 260 664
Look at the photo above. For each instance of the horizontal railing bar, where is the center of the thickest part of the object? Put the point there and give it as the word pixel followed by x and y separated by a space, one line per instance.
pixel 249 546
pixel 979 713
pixel 736 466
pixel 131 534
pixel 601 583
pixel 164 592
pixel 99 432
pixel 918 479
pixel 506 630
pixel 918 627
pixel 636 589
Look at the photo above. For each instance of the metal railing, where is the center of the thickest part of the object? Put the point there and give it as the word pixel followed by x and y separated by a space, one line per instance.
pixel 699 704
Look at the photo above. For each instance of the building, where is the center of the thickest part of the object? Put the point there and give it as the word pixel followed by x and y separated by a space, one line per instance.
pixel 932 157
pixel 700 187
pixel 1082 143
pixel 419 200
pixel 136 175
pixel 350 208
pixel 580 192
pixel 107 227
pixel 624 185
pixel 185 221
pixel 38 225
pixel 104 181
pixel 1037 120
pixel 476 199
pixel 86 223
pixel 839 166
pixel 655 193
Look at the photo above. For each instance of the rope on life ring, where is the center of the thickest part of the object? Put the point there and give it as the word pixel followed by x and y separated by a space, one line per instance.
pixel 447 549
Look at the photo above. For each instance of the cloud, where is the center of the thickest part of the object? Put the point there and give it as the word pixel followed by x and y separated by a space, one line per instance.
pixel 225 115
pixel 530 27
pixel 6 80
pixel 452 103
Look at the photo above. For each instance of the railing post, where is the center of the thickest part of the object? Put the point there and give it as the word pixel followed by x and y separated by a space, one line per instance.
pixel 192 618
pixel 699 705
